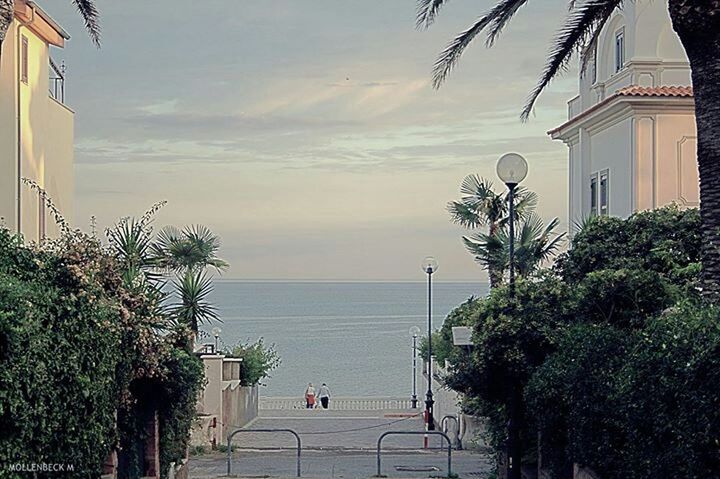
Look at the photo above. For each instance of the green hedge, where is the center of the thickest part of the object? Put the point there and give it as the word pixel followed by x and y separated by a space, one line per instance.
pixel 612 349
pixel 58 356
pixel 78 348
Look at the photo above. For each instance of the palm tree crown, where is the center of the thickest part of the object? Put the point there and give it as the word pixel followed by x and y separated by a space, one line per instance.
pixel 581 29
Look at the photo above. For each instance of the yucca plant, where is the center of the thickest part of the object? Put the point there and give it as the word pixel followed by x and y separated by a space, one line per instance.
pixel 697 23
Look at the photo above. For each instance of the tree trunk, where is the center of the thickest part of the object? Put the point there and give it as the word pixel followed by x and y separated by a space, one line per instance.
pixel 495 275
pixel 697 22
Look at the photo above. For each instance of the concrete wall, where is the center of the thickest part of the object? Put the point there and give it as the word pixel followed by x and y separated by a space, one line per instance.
pixel 240 407
pixel 223 405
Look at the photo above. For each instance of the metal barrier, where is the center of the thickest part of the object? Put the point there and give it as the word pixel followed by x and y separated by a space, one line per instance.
pixel 458 442
pixel 414 433
pixel 231 435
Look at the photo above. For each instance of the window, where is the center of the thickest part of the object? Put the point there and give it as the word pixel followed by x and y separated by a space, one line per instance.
pixel 593 195
pixel 619 50
pixel 24 66
pixel 604 192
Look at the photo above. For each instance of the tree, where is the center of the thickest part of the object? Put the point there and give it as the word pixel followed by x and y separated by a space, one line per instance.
pixel 534 244
pixel 697 23
pixel 481 206
pixel 180 256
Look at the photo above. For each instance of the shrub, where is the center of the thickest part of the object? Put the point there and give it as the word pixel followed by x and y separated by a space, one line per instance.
pixel 258 361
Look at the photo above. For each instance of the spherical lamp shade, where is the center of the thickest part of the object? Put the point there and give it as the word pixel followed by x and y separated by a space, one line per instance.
pixel 216 331
pixel 512 168
pixel 414 331
pixel 429 265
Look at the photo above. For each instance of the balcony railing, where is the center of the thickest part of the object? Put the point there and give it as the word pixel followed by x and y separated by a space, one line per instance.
pixel 57 81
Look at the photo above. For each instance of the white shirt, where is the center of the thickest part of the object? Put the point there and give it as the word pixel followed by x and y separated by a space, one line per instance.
pixel 324 392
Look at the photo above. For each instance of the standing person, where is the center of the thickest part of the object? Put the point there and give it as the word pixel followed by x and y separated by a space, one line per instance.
pixel 324 395
pixel 310 396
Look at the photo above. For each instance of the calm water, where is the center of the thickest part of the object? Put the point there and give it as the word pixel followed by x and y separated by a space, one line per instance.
pixel 354 336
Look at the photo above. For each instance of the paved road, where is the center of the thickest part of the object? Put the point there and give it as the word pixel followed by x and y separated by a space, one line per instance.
pixel 338 444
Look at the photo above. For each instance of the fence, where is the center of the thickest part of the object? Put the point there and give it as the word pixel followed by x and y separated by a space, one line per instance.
pixel 340 403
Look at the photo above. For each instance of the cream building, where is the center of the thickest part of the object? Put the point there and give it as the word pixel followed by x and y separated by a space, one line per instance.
pixel 631 130
pixel 36 127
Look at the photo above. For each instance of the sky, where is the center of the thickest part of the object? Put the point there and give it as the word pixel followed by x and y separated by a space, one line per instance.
pixel 306 133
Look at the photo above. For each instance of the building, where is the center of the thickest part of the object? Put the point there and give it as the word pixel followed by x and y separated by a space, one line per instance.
pixel 36 127
pixel 631 130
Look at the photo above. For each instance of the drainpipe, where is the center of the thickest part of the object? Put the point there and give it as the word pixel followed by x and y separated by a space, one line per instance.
pixel 18 39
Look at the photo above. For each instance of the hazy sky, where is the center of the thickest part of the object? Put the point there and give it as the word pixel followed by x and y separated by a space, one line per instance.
pixel 306 132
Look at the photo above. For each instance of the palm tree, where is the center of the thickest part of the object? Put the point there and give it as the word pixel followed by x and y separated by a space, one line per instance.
pixel 534 244
pixel 481 206
pixel 697 23
pixel 87 9
pixel 173 256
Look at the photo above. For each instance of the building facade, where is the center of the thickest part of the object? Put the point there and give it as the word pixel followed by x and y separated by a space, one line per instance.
pixel 36 127
pixel 631 130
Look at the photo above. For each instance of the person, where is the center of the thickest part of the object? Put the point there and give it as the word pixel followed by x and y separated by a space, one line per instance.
pixel 324 395
pixel 310 396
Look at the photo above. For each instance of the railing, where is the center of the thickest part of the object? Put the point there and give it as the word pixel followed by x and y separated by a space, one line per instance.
pixel 57 81
pixel 414 433
pixel 340 403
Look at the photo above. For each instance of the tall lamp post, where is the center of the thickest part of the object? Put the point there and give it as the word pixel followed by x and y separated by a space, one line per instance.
pixel 429 265
pixel 414 332
pixel 512 170
pixel 216 332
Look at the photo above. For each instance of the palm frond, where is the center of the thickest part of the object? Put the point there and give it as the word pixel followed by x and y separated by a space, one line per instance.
pixel 91 18
pixel 427 10
pixel 502 14
pixel 194 307
pixel 584 22
pixel 497 17
pixel 465 215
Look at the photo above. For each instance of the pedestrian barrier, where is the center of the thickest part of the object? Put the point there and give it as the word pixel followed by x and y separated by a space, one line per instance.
pixel 231 435
pixel 443 426
pixel 339 403
pixel 413 433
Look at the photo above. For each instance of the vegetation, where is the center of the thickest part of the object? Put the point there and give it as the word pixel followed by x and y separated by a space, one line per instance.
pixel 481 206
pixel 258 361
pixel 697 23
pixel 611 353
pixel 91 326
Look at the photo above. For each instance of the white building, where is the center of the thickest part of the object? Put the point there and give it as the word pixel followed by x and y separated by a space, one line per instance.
pixel 36 128
pixel 631 130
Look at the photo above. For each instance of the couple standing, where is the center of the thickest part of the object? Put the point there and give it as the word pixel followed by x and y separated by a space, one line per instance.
pixel 323 394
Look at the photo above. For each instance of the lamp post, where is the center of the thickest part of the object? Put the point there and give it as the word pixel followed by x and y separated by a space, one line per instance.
pixel 216 332
pixel 512 170
pixel 414 332
pixel 429 265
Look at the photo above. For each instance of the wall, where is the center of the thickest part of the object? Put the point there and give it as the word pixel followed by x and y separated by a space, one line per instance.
pixel 223 405
pixel 240 407
pixel 611 149
pixel 46 132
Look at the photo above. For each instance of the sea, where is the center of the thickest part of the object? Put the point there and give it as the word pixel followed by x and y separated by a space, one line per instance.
pixel 354 336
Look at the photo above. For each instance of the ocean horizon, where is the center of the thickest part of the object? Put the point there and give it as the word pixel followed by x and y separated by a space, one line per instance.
pixel 353 335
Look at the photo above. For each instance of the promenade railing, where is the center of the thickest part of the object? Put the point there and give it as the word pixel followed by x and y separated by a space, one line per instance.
pixel 339 403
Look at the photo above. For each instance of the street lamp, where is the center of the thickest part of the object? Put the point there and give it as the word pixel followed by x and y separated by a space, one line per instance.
pixel 414 332
pixel 216 332
pixel 429 265
pixel 512 170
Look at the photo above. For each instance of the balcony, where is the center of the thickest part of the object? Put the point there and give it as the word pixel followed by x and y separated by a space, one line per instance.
pixel 57 81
